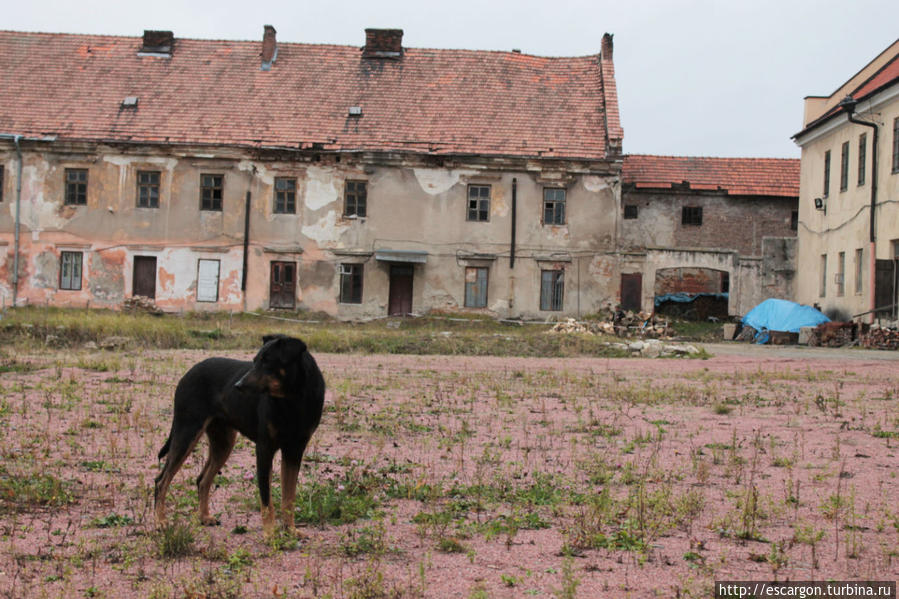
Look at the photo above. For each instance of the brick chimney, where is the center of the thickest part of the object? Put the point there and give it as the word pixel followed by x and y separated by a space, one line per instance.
pixel 607 46
pixel 383 43
pixel 269 48
pixel 158 42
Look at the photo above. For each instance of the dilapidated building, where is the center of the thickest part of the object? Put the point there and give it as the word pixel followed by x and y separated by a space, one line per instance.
pixel 698 225
pixel 357 181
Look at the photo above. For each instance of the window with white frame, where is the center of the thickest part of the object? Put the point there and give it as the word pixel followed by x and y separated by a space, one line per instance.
pixel 552 289
pixel 70 270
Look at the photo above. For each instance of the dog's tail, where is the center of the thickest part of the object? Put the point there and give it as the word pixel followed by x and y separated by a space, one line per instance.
pixel 165 448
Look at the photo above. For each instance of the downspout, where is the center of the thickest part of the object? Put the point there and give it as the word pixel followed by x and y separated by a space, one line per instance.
pixel 848 104
pixel 246 249
pixel 514 212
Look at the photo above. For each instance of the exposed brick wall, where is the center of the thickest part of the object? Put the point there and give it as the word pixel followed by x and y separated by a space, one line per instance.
pixel 736 223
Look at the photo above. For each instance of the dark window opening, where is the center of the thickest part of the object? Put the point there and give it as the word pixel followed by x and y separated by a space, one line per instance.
pixel 476 287
pixel 148 189
pixel 2 171
pixel 553 206
pixel 844 166
pixel 794 220
pixel 826 173
pixel 211 188
pixel 350 283
pixel 630 211
pixel 355 195
pixel 691 216
pixel 552 289
pixel 70 271
pixel 76 186
pixel 862 158
pixel 285 195
pixel 896 145
pixel 479 203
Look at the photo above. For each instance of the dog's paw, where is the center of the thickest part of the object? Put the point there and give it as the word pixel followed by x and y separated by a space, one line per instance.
pixel 209 521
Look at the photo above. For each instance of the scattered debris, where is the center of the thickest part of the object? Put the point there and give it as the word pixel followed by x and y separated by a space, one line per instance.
pixel 879 337
pixel 623 324
pixel 139 303
pixel 833 334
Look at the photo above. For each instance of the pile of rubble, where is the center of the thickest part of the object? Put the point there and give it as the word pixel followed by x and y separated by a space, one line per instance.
pixel 139 303
pixel 878 337
pixel 833 334
pixel 627 324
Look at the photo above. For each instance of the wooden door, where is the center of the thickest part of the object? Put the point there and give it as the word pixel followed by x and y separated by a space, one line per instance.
pixel 144 282
pixel 282 291
pixel 632 291
pixel 400 295
pixel 886 281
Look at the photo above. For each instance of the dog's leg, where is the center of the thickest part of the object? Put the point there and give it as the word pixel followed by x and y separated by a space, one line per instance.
pixel 221 441
pixel 265 454
pixel 183 441
pixel 290 470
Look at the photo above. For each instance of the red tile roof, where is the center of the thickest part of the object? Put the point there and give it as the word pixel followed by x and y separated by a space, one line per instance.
pixel 736 176
pixel 214 92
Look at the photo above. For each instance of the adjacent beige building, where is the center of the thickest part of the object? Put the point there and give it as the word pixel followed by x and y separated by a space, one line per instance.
pixel 849 195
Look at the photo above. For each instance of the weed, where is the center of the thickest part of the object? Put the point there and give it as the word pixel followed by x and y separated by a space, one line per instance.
pixel 175 540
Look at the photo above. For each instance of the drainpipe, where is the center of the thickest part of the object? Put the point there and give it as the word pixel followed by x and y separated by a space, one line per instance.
pixel 15 271
pixel 848 104
pixel 246 249
pixel 514 212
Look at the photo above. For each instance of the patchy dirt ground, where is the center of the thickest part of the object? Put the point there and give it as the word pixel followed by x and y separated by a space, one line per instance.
pixel 465 477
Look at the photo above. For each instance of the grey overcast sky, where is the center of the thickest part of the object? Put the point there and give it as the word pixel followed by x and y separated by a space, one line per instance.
pixel 695 77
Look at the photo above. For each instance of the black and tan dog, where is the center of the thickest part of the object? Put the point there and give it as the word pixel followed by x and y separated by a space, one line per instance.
pixel 276 401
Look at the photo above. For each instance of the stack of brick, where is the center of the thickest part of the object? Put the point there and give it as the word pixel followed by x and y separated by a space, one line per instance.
pixel 879 337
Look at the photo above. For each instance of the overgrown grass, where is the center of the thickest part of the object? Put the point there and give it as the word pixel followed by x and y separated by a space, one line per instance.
pixel 57 327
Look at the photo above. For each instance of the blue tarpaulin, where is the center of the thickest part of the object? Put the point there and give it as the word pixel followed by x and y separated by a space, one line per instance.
pixel 782 315
pixel 684 298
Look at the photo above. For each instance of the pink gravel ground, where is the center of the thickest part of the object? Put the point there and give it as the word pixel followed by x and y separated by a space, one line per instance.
pixel 780 465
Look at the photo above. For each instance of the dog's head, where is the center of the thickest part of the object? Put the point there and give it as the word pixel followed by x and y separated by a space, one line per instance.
pixel 277 368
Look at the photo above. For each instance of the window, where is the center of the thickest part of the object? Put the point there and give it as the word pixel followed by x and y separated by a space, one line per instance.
pixel 552 289
pixel 691 216
pixel 76 186
pixel 862 151
pixel 476 287
pixel 2 170
pixel 859 265
pixel 148 189
pixel 794 220
pixel 285 195
pixel 896 145
pixel 840 275
pixel 479 202
pixel 211 187
pixel 844 167
pixel 826 173
pixel 630 211
pixel 822 289
pixel 208 280
pixel 354 199
pixel 70 271
pixel 350 283
pixel 553 206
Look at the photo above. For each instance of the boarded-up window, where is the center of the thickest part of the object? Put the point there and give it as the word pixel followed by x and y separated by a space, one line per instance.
pixel 476 287
pixel 350 283
pixel 552 289
pixel 70 270
pixel 208 280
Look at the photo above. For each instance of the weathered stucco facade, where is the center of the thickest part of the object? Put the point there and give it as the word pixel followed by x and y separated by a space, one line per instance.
pixel 849 203
pixel 359 203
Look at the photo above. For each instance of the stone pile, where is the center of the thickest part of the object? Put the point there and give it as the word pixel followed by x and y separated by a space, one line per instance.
pixel 635 325
pixel 139 303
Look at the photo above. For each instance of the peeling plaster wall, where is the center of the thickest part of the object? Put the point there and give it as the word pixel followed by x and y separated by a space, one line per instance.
pixel 410 207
